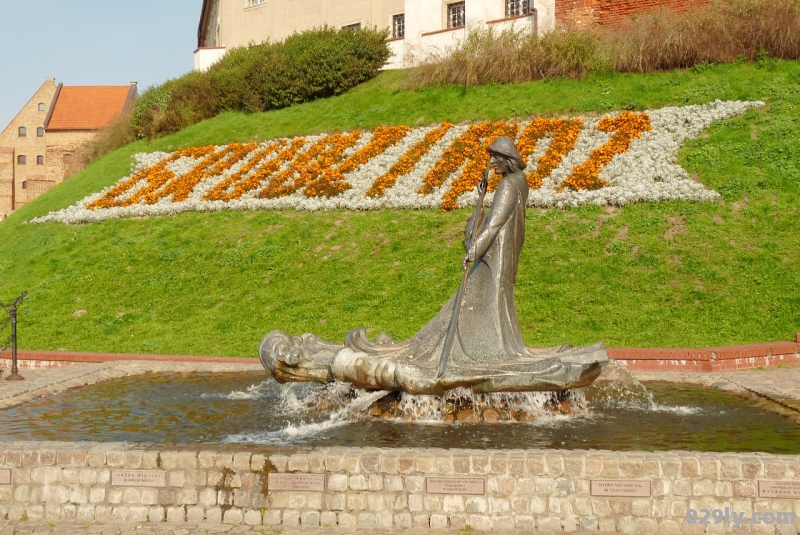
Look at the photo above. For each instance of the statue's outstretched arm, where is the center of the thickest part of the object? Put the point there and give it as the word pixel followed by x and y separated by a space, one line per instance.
pixel 503 205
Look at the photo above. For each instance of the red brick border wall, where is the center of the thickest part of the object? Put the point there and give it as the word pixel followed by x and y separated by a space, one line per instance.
pixel 614 12
pixel 710 359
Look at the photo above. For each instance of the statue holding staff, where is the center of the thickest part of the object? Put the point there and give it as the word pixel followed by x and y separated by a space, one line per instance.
pixel 474 341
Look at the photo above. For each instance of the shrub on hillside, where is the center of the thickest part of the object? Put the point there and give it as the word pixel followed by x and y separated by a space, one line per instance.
pixel 315 64
pixel 657 40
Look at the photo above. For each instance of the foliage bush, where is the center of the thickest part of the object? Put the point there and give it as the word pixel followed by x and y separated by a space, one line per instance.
pixel 725 31
pixel 315 64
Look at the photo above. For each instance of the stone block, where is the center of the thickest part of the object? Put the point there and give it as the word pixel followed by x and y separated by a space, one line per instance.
pixel 70 476
pixel 337 482
pixel 132 460
pixel 115 458
pixel 366 520
pixel 402 521
pixel 149 460
pixel 415 503
pixel 351 464
pixel 573 465
pixel 525 523
pixel 626 524
pixel 581 505
pixel 131 496
pixel 176 478
pixel 432 503
pixel 421 521
pixel 405 465
pixel 709 469
pixel 548 523
pixel 632 469
pixel 85 513
pixel 462 464
pixel 682 488
pixel 588 523
pixel 646 525
pixel 310 519
pixel 96 459
pixel 207 497
pixel 458 521
pixel 87 476
pixel 214 515
pixel 731 467
pixel 157 514
pixel 358 482
pixel 453 504
pixel 439 521
pixel 393 483
pixel 197 514
pixel 723 489
pixel 370 463
pixel 115 496
pixel 640 507
pixel 499 505
pixel 30 458
pixel 479 464
pixel 69 512
pixel 538 505
pixel 690 467
pixel 336 502
pixel 316 463
pixel 498 464
pixel 425 463
pixel 103 476
pixel 751 468
pixel 137 514
pixel 415 483
pixel 79 495
pixel 176 514
pixel 669 527
pixel 476 505
pixel 347 520
pixel 443 464
pixel 555 465
pixel 233 517
pixel 22 493
pixel 327 519
pixel 703 487
pixel 744 488
pixel 241 461
pixel 356 502
pixel 333 463
pixel 97 495
pixel 298 462
pixel 503 523
pixel 375 502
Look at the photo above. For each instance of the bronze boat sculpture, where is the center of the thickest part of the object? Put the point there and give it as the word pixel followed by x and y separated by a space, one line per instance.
pixel 474 341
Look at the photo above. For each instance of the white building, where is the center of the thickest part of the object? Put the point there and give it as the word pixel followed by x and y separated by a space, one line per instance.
pixel 416 26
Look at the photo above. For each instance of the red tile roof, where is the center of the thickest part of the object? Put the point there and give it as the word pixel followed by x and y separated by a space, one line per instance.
pixel 88 107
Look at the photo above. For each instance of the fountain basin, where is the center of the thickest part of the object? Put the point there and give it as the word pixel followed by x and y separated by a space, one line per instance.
pixel 249 409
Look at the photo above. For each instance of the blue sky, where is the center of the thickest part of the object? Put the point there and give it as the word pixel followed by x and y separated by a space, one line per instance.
pixel 92 42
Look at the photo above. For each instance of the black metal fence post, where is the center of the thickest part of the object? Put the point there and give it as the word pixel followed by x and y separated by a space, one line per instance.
pixel 12 314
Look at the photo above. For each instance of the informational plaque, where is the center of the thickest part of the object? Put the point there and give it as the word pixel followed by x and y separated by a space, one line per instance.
pixel 5 476
pixel 621 488
pixel 475 486
pixel 298 482
pixel 788 490
pixel 138 478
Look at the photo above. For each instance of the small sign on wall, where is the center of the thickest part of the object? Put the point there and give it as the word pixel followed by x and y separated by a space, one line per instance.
pixel 297 482
pixel 473 486
pixel 138 478
pixel 5 476
pixel 788 490
pixel 621 488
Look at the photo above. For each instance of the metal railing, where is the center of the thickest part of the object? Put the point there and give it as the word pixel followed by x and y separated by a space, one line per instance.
pixel 11 312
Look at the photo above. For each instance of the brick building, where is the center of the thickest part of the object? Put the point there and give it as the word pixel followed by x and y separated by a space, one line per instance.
pixel 38 148
pixel 416 26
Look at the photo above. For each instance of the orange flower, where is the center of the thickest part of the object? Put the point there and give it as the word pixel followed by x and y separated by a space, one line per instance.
pixel 477 161
pixel 332 181
pixel 223 192
pixel 309 166
pixel 407 162
pixel 565 134
pixel 626 127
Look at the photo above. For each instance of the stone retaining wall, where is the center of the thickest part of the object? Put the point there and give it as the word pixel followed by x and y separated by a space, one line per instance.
pixel 546 490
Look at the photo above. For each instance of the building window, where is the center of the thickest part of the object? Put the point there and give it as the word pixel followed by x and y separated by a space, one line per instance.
pixel 352 27
pixel 40 160
pixel 516 8
pixel 255 2
pixel 25 185
pixel 40 132
pixel 42 107
pixel 21 160
pixel 22 132
pixel 456 15
pixel 399 26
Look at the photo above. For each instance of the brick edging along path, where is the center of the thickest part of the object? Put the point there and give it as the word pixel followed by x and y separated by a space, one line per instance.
pixel 710 359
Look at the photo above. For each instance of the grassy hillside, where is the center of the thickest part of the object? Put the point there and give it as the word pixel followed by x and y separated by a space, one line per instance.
pixel 665 274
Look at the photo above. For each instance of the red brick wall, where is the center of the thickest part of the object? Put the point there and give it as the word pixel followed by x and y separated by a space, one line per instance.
pixel 614 12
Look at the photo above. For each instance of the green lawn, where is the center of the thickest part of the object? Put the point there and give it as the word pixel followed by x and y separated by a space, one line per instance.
pixel 669 274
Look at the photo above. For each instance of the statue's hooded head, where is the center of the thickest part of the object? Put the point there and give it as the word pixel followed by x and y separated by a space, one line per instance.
pixel 504 146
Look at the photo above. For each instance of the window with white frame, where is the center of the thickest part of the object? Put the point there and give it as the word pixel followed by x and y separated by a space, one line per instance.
pixel 516 8
pixel 456 15
pixel 42 107
pixel 256 2
pixel 399 26
pixel 352 27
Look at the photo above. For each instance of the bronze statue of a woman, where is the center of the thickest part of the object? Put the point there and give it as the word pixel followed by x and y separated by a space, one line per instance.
pixel 485 351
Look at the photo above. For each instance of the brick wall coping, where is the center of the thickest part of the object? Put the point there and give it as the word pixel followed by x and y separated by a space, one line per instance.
pixel 766 349
pixel 74 356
